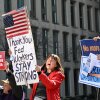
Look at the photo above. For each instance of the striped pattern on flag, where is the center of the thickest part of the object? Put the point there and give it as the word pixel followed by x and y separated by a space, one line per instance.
pixel 16 23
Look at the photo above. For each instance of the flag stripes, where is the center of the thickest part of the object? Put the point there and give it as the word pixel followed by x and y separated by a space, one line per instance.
pixel 16 23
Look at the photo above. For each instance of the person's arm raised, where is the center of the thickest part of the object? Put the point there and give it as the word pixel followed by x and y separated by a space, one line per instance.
pixel 17 90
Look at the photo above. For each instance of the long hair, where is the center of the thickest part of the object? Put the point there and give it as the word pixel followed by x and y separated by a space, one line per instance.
pixel 58 62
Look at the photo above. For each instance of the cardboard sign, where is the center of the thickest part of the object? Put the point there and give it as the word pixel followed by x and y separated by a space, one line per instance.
pixel 90 64
pixel 2 60
pixel 21 44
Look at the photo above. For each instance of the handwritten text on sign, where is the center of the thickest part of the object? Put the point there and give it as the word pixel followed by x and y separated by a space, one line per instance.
pixel 24 59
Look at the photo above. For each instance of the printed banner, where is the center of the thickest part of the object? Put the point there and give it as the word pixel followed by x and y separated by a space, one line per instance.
pixel 90 63
pixel 88 46
pixel 21 44
pixel 2 60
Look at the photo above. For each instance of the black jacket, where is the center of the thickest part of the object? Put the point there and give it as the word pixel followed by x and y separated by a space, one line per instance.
pixel 16 93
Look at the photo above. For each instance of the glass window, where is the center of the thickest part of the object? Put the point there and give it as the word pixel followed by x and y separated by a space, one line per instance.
pixel 20 3
pixel 54 11
pixel 7 5
pixel 43 10
pixel 97 19
pixel 54 17
pixel 74 46
pixel 76 84
pixel 89 17
pixel 81 15
pixel 53 2
pixel 34 33
pixel 84 89
pixel 94 92
pixel 55 42
pixel 96 0
pixel 64 13
pixel 45 42
pixel 33 9
pixel 73 13
pixel 67 81
pixel 82 37
pixel 43 4
pixel 65 46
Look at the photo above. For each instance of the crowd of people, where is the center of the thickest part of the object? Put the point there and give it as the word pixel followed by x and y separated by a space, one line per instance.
pixel 51 75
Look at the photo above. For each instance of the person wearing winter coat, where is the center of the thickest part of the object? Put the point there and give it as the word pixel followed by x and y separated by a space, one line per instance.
pixel 10 90
pixel 51 75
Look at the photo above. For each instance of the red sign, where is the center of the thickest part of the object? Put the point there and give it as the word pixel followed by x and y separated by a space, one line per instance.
pixel 2 60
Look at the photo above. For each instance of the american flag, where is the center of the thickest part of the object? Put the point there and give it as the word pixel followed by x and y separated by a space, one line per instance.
pixel 16 23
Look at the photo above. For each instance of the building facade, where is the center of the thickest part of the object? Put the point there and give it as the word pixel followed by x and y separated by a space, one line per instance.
pixel 57 26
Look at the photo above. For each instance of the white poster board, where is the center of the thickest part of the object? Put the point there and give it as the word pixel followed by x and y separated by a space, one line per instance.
pixel 90 63
pixel 23 51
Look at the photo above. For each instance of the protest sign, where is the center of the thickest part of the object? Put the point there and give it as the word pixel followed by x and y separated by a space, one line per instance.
pixel 2 60
pixel 90 65
pixel 90 46
pixel 21 44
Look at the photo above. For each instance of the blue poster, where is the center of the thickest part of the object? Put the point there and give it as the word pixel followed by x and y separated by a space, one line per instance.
pixel 90 45
pixel 90 63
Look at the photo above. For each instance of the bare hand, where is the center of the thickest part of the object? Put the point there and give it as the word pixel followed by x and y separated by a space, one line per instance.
pixel 10 52
pixel 6 64
pixel 96 38
pixel 38 68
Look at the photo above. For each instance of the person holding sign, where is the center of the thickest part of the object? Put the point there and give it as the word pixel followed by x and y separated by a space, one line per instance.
pixel 98 57
pixel 51 75
pixel 10 90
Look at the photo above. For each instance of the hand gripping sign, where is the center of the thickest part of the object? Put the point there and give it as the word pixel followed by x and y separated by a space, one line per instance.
pixel 21 44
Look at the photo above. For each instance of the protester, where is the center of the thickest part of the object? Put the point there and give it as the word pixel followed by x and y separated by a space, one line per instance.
pixel 98 57
pixel 10 90
pixel 51 75
pixel 97 75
